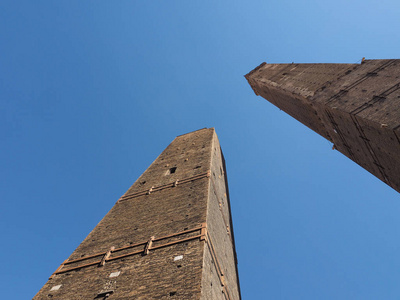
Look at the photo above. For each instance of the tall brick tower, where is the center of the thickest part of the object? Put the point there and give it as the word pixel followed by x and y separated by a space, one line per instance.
pixel 169 236
pixel 355 106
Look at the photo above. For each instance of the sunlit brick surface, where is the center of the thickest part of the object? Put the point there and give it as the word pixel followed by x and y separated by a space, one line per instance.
pixel 193 196
pixel 355 106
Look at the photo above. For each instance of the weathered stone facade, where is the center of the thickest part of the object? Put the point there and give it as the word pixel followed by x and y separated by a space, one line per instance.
pixel 355 106
pixel 169 236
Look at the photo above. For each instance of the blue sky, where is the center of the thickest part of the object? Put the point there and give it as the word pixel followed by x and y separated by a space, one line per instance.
pixel 92 91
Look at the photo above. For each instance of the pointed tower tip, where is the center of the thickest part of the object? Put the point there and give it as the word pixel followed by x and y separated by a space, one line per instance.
pixel 205 128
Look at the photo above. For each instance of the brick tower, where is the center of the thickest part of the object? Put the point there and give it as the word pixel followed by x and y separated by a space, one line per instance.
pixel 169 236
pixel 355 106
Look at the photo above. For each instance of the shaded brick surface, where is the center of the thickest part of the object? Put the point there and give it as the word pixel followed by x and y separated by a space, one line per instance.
pixel 182 270
pixel 355 106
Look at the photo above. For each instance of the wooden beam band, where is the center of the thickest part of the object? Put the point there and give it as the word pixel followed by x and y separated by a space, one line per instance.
pixel 176 234
pixel 58 269
pixel 84 258
pixel 130 246
pixel 155 189
pixel 149 246
pixel 217 265
pixel 124 255
pixel 78 267
pixel 226 293
pixel 175 242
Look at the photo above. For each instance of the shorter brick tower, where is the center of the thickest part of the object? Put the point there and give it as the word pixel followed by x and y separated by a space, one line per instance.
pixel 355 106
pixel 169 236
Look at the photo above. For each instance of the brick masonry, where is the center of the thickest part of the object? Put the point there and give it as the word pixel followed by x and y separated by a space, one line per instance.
pixel 183 198
pixel 355 106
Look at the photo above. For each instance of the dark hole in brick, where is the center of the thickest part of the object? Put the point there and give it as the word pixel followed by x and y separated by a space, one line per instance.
pixel 171 170
pixel 197 167
pixel 187 216
pixel 50 295
pixel 172 293
pixel 179 266
pixel 82 255
pixel 143 182
pixel 104 295
pixel 186 228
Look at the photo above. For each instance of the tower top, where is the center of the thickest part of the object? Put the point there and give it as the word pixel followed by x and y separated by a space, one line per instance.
pixel 355 106
pixel 169 236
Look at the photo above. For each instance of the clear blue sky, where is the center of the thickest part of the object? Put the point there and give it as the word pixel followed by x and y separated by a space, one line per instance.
pixel 92 91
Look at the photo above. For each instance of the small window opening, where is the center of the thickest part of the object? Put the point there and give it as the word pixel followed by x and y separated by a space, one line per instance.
pixel 104 295
pixel 171 171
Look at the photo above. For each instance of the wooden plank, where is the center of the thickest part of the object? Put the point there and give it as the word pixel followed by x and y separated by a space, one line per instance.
pixel 84 258
pixel 148 246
